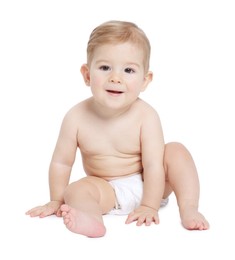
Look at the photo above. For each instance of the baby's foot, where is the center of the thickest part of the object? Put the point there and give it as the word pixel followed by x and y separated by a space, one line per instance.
pixel 193 220
pixel 81 222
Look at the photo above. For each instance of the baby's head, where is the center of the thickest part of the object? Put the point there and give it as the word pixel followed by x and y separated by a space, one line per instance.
pixel 118 32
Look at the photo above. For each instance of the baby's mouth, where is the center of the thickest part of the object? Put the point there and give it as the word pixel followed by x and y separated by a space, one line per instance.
pixel 114 91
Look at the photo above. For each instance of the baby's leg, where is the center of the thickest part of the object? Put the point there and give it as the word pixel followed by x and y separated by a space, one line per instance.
pixel 85 202
pixel 182 177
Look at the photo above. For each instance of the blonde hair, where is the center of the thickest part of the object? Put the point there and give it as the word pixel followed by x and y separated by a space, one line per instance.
pixel 115 32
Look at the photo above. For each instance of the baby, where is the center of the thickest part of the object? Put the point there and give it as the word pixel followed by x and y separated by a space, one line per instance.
pixel 129 168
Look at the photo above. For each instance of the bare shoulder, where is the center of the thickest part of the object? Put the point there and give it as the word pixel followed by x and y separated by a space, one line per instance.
pixel 146 110
pixel 150 121
pixel 151 128
pixel 76 111
pixel 75 115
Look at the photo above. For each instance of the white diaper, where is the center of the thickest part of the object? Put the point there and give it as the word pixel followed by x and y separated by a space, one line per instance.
pixel 129 192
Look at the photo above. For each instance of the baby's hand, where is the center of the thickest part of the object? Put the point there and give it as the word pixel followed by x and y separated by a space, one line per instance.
pixel 142 215
pixel 52 207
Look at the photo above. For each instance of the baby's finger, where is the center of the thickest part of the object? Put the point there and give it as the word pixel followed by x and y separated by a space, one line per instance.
pixel 47 211
pixel 149 220
pixel 131 218
pixel 156 219
pixel 59 213
pixel 33 210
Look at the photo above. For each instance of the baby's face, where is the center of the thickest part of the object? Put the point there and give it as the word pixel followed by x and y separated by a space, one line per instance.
pixel 117 74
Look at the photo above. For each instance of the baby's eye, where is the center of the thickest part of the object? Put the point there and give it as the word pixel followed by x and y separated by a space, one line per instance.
pixel 129 70
pixel 104 67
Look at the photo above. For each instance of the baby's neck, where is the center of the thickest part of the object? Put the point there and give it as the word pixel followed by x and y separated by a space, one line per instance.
pixel 106 112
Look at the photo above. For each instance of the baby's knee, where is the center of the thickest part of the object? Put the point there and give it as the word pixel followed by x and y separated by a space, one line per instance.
pixel 73 188
pixel 174 151
pixel 87 185
pixel 174 147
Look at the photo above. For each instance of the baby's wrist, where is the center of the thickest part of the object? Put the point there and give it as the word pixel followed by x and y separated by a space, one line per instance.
pixel 148 206
pixel 57 201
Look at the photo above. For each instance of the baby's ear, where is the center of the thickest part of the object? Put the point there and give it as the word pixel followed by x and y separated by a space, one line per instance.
pixel 86 74
pixel 147 79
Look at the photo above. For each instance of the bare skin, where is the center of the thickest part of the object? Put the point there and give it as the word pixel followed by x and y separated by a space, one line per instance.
pixel 118 135
pixel 176 171
pixel 82 223
pixel 182 179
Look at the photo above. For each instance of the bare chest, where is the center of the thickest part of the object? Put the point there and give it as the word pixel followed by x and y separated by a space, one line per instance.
pixel 113 139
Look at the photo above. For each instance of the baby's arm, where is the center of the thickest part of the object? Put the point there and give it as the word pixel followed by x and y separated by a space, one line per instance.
pixel 152 144
pixel 60 167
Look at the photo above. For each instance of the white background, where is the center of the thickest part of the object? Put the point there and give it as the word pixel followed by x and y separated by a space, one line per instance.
pixel 42 46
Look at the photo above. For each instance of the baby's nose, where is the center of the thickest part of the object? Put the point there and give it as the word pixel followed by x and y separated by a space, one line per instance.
pixel 115 78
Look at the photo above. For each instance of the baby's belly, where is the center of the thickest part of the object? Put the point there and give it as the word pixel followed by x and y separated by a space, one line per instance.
pixel 110 167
